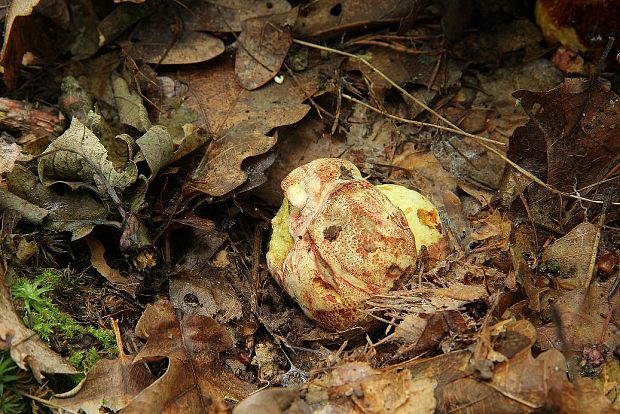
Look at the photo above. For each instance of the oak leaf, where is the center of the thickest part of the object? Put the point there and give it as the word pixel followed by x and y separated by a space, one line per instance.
pixel 195 379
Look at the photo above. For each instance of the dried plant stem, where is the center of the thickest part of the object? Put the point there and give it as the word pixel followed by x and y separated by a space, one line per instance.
pixel 481 140
pixel 420 123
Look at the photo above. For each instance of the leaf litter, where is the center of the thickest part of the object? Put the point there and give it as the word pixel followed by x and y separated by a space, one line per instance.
pixel 184 118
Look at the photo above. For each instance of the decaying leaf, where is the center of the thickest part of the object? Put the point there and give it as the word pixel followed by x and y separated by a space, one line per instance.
pixel 76 212
pixel 227 15
pixel 27 349
pixel 262 48
pixel 130 107
pixel 22 33
pixel 329 17
pixel 195 379
pixel 32 213
pixel 238 120
pixel 209 295
pixel 78 159
pixel 570 143
pixel 221 172
pixel 109 385
pixel 8 155
pixel 372 390
pixel 159 41
pixel 157 147
pixel 98 261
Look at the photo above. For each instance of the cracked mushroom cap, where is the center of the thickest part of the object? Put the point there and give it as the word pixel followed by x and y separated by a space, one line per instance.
pixel 338 240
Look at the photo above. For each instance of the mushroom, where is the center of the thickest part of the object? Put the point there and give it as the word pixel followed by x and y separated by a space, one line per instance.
pixel 338 240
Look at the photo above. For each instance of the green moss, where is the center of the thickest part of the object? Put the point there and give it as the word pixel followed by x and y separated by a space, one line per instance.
pixel 53 325
pixel 552 267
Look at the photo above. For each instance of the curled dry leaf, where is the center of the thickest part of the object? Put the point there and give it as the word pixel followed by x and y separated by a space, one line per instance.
pixel 78 159
pixel 23 33
pixel 195 380
pixel 131 110
pixel 109 386
pixel 262 47
pixel 238 120
pixel 27 349
pixel 157 147
pixel 97 259
pixel 75 212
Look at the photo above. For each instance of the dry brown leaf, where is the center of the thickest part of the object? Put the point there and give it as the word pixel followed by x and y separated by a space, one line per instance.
pixel 209 294
pixel 8 155
pixel 97 259
pixel 220 171
pixel 262 47
pixel 15 45
pixel 27 349
pixel 238 120
pixel 357 388
pixel 449 383
pixel 329 17
pixel 156 41
pixel 109 385
pixel 195 380
pixel 570 143
pixel 227 15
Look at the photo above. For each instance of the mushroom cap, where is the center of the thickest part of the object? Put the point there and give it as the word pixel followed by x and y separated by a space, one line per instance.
pixel 338 240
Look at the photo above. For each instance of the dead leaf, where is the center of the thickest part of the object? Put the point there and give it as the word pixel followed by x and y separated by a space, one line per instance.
pixel 570 143
pixel 271 401
pixel 157 147
pixel 156 41
pixel 357 388
pixel 329 17
pixel 32 213
pixel 98 261
pixel 208 294
pixel 109 385
pixel 195 379
pixel 227 15
pixel 27 349
pixel 262 47
pixel 77 158
pixel 573 252
pixel 583 320
pixel 22 33
pixel 238 120
pixel 220 172
pixel 130 107
pixel 75 212
pixel 8 155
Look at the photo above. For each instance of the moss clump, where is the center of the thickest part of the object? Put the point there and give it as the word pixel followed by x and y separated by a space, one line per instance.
pixel 82 344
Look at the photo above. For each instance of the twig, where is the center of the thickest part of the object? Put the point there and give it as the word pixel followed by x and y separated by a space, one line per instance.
pixel 480 140
pixel 381 74
pixel 420 123
pixel 597 238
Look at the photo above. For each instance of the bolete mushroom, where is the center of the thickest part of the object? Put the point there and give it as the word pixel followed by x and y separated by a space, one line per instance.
pixel 338 240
